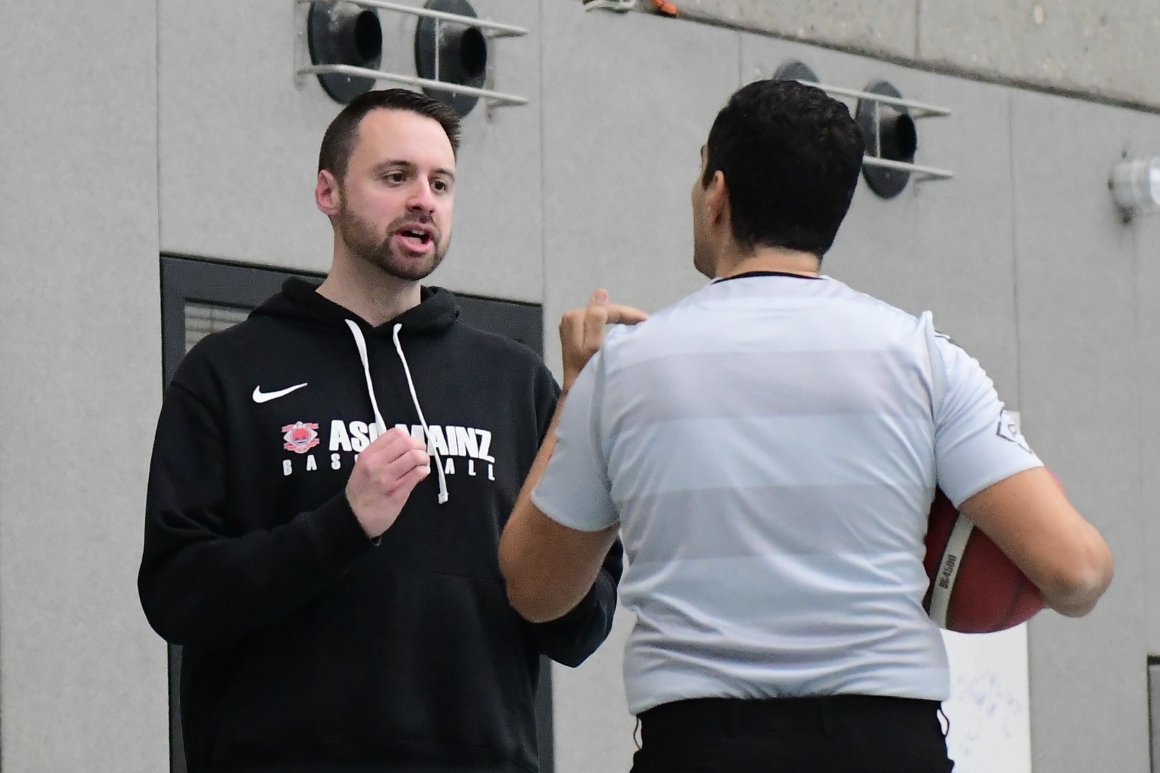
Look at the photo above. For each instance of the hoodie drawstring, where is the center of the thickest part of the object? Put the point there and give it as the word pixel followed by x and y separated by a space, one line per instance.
pixel 361 343
pixel 443 495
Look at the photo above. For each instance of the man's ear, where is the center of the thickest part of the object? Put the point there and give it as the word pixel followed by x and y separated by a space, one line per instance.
pixel 327 194
pixel 717 199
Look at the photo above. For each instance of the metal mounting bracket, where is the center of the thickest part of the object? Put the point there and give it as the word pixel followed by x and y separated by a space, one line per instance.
pixel 870 105
pixel 307 66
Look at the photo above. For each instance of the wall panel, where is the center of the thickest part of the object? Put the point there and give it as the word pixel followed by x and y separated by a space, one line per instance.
pixel 1100 50
pixel 82 678
pixel 1079 355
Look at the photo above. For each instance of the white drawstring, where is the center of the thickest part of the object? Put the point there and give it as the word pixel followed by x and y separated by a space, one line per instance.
pixel 443 495
pixel 361 343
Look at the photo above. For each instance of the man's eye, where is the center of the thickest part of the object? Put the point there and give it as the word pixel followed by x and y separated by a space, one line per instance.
pixel 442 186
pixel 394 177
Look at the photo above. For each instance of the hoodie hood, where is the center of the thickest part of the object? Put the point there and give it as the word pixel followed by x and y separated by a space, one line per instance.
pixel 436 313
pixel 299 300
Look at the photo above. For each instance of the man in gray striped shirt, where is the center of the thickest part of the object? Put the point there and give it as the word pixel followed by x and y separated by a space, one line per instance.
pixel 768 448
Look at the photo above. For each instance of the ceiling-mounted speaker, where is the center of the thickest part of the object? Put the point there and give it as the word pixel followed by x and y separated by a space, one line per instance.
pixel 794 70
pixel 451 52
pixel 889 133
pixel 344 33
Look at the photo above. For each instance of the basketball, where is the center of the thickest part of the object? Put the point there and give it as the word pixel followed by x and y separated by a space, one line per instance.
pixel 974 587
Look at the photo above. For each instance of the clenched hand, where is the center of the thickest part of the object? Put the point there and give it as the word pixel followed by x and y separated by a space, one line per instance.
pixel 383 477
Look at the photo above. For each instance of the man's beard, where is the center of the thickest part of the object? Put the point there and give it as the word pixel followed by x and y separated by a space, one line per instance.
pixel 360 237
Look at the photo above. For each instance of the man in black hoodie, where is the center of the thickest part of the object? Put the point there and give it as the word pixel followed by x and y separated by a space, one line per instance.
pixel 328 485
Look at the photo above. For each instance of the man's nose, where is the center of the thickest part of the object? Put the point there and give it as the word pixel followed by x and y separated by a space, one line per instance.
pixel 422 198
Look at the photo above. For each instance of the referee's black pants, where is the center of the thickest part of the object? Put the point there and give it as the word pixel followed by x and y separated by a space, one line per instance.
pixel 826 734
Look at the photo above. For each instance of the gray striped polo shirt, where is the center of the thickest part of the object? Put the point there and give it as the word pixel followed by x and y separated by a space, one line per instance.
pixel 769 447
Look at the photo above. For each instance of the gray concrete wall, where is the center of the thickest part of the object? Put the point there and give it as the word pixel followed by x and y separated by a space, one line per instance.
pixel 1082 290
pixel 1103 51
pixel 81 675
pixel 182 129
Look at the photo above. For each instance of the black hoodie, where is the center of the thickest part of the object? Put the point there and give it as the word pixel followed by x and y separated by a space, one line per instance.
pixel 306 646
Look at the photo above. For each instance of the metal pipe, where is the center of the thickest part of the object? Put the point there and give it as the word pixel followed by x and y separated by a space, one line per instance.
pixel 470 21
pixel 451 88
pixel 902 166
pixel 885 100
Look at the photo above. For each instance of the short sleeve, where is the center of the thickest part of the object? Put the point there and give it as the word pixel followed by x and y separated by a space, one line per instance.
pixel 574 491
pixel 977 441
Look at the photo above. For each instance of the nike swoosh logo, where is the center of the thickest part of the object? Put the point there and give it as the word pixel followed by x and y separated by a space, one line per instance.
pixel 265 397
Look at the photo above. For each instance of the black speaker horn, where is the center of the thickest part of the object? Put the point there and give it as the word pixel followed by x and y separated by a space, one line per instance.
pixel 451 52
pixel 344 33
pixel 889 133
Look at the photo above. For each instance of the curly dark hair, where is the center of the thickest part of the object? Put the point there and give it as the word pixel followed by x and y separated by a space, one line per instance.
pixel 791 156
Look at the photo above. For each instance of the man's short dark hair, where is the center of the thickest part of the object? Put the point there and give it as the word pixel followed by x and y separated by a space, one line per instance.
pixel 791 157
pixel 340 137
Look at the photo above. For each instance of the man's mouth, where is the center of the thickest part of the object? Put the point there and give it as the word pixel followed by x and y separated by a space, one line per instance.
pixel 417 237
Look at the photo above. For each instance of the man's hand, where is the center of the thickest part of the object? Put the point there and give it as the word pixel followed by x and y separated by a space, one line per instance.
pixel 548 568
pixel 383 478
pixel 582 331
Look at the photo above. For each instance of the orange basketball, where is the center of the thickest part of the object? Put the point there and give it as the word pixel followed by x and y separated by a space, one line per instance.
pixel 974 587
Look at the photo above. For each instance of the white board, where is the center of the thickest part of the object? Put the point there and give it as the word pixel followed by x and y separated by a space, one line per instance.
pixel 989 711
pixel 989 708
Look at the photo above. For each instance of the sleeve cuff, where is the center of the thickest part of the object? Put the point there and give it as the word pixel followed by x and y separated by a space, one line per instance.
pixel 337 533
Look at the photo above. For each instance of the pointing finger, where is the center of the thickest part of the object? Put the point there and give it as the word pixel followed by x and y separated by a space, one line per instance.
pixel 595 317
